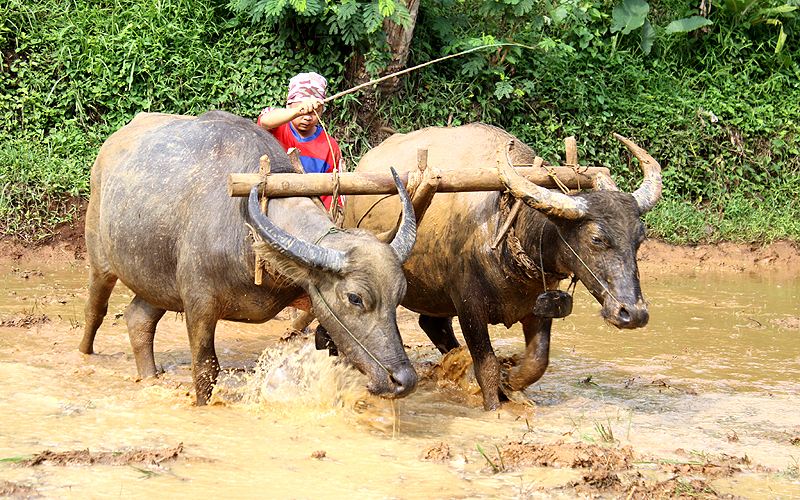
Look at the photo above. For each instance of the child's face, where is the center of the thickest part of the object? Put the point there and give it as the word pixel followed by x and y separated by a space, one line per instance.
pixel 304 124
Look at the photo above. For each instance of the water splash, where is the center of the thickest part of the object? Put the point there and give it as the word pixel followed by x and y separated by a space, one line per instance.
pixel 294 373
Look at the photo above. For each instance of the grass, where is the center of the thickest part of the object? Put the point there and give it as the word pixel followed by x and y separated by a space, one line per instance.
pixel 740 216
pixel 792 470
pixel 494 466
pixel 73 72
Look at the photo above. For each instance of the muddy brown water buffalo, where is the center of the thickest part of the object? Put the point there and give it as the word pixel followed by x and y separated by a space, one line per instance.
pixel 453 271
pixel 160 220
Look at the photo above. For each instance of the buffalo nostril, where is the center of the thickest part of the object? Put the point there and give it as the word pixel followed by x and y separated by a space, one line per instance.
pixel 405 381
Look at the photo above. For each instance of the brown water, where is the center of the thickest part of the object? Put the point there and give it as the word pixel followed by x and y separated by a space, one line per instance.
pixel 716 372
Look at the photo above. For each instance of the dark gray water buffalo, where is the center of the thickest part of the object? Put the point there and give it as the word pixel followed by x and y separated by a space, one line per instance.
pixel 453 270
pixel 161 221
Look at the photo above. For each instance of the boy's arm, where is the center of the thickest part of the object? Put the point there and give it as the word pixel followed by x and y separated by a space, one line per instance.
pixel 279 116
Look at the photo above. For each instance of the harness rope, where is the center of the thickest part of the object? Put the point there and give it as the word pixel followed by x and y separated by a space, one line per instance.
pixel 329 231
pixel 587 267
pixel 330 311
pixel 333 230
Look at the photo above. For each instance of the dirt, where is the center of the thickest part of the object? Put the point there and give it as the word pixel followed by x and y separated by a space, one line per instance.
pixel 24 320
pixel 610 470
pixel 150 459
pixel 68 243
pixel 19 491
pixel 118 458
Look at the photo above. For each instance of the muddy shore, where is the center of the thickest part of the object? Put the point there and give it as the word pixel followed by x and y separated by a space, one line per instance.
pixel 68 243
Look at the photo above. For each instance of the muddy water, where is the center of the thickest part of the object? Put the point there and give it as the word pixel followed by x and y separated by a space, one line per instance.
pixel 716 373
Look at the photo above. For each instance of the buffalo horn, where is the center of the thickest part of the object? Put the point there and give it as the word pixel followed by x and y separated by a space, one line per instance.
pixel 537 197
pixel 650 191
pixel 291 246
pixel 407 231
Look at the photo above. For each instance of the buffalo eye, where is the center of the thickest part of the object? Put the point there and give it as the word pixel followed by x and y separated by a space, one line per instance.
pixel 355 300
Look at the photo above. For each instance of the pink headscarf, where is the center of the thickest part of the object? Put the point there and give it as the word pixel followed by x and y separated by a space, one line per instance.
pixel 305 85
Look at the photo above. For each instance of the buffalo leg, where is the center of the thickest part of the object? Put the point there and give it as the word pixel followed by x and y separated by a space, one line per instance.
pixel 487 369
pixel 205 365
pixel 100 287
pixel 142 319
pixel 537 352
pixel 440 331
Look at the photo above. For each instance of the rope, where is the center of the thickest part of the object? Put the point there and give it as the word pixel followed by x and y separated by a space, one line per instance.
pixel 587 267
pixel 335 213
pixel 541 257
pixel 351 333
pixel 563 187
pixel 329 231
pixel 521 258
pixel 358 224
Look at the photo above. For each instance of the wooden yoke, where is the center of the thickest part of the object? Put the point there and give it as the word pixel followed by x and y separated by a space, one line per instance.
pixel 294 157
pixel 264 169
pixel 422 184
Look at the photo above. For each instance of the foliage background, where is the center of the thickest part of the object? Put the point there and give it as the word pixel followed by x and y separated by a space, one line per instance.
pixel 717 106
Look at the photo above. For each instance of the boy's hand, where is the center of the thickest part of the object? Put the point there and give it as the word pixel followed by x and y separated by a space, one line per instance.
pixel 309 106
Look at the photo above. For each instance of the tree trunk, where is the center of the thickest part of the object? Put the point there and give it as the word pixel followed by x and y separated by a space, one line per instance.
pixel 399 40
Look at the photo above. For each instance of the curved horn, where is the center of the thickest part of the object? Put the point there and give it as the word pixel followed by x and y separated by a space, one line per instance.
pixel 650 191
pixel 407 232
pixel 537 197
pixel 289 245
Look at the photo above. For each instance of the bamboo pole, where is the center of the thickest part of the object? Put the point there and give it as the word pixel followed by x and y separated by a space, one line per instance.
pixel 452 181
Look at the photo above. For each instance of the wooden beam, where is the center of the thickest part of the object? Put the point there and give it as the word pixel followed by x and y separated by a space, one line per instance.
pixel 452 181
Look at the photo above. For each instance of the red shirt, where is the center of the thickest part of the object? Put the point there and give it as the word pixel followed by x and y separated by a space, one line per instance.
pixel 319 153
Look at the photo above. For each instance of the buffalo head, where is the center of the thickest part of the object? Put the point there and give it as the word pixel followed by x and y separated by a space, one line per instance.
pixel 597 236
pixel 355 283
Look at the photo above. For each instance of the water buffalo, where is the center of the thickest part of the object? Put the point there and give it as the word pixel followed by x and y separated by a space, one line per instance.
pixel 453 270
pixel 161 221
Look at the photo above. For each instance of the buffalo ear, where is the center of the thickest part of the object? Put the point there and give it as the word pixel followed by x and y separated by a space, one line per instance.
pixel 388 236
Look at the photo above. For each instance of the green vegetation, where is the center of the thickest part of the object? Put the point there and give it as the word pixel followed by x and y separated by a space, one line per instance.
pixel 714 99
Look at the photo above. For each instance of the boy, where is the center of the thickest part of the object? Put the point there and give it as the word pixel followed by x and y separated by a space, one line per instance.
pixel 297 126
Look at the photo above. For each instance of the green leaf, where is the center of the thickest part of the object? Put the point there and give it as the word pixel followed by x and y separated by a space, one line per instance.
pixel 648 36
pixel 781 41
pixel 299 5
pixel 688 24
pixel 346 10
pixel 629 15
pixel 372 17
pixel 473 66
pixel 273 9
pixel 386 7
pixel 738 6
pixel 503 90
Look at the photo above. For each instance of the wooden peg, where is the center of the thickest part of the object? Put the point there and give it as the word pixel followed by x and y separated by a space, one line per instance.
pixel 264 168
pixel 572 151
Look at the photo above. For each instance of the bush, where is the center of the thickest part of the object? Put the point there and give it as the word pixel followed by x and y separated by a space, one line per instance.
pixel 717 106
